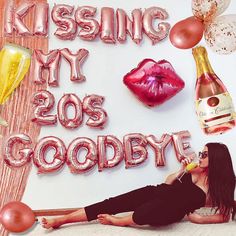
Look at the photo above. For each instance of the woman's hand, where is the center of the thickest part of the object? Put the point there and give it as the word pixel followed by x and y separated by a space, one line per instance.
pixel 172 177
pixel 184 163
pixel 194 218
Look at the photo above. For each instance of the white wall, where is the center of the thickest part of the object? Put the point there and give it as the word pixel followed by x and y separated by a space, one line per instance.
pixel 104 69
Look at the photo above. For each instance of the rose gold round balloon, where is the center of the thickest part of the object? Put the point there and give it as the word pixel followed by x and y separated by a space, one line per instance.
pixel 208 9
pixel 17 217
pixel 187 33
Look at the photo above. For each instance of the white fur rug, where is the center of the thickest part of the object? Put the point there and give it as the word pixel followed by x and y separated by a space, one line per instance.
pixel 179 229
pixel 184 228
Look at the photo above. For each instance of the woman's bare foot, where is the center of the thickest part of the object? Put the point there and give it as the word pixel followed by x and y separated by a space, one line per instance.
pixel 107 219
pixel 51 223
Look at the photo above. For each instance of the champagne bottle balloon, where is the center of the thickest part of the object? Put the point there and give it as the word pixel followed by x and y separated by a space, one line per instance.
pixel 214 105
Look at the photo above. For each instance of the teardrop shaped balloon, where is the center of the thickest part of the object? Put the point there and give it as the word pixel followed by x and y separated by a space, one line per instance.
pixel 187 33
pixel 220 34
pixel 208 9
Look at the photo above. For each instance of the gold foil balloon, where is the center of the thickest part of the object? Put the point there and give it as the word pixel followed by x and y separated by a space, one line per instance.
pixel 220 34
pixel 209 9
pixel 14 64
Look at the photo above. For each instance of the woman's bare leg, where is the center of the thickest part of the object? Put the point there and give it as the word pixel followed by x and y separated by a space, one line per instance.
pixel 107 219
pixel 123 203
pixel 77 216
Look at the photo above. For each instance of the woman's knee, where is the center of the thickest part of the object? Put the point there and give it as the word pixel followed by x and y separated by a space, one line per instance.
pixel 137 219
pixel 140 218
pixel 149 213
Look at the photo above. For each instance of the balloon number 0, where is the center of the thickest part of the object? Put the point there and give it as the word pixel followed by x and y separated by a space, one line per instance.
pixel 92 105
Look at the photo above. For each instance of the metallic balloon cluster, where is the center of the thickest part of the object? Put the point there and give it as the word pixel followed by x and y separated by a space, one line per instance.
pixel 44 102
pixel 14 18
pixel 68 19
pixel 133 151
pixel 51 61
pixel 219 31
pixel 91 28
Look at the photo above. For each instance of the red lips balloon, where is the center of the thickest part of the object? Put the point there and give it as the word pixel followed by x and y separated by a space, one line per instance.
pixel 153 83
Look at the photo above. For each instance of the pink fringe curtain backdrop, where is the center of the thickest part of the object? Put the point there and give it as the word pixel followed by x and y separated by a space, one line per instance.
pixel 18 112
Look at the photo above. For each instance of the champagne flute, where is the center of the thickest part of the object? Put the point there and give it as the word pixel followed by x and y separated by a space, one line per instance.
pixel 14 64
pixel 188 168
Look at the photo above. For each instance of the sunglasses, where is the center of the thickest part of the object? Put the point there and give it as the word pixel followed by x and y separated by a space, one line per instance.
pixel 203 155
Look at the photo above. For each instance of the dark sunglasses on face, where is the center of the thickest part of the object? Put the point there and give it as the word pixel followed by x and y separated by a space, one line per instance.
pixel 203 155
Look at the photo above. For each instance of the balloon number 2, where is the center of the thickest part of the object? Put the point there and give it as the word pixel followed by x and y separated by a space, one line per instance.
pixel 92 105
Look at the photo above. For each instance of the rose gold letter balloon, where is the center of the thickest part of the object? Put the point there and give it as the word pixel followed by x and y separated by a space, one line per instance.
pixel 163 28
pixel 65 101
pixel 75 61
pixel 102 144
pixel 20 12
pixel 24 154
pixel 44 102
pixel 187 33
pixel 159 147
pixel 40 151
pixel 92 106
pixel 16 217
pixel 90 161
pixel 41 19
pixel 135 149
pixel 67 27
pixel 90 27
pixel 9 18
pixel 49 61
pixel 107 25
pixel 132 27
pixel 208 9
pixel 182 149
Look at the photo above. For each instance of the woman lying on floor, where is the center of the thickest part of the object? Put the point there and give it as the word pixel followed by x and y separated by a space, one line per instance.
pixel 211 183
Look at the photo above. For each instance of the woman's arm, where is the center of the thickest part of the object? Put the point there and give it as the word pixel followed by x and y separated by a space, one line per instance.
pixel 172 177
pixel 208 219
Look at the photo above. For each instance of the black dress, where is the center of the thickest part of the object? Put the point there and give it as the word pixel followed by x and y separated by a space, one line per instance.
pixel 154 205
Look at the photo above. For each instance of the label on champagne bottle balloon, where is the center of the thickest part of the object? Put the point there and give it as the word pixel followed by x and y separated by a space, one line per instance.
pixel 215 110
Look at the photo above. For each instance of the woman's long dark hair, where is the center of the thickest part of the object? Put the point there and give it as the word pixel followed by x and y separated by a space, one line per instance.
pixel 221 179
